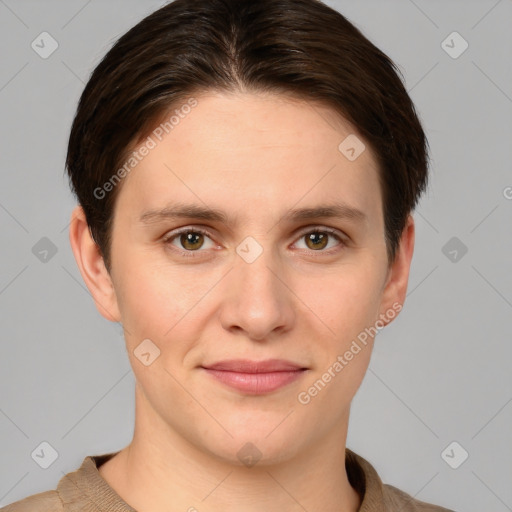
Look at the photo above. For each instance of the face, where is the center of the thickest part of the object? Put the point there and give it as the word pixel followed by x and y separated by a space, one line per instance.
pixel 245 233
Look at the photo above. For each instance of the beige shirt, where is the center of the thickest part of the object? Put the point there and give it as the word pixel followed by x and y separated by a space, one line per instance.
pixel 85 490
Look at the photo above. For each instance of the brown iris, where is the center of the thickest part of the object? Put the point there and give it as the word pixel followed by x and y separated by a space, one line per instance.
pixel 191 239
pixel 319 240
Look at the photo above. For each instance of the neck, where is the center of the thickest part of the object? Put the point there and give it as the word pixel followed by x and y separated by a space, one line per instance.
pixel 160 471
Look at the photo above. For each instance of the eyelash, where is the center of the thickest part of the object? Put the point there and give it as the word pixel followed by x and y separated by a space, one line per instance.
pixel 168 239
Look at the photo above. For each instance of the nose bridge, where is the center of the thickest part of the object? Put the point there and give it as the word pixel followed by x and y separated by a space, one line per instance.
pixel 256 269
pixel 259 302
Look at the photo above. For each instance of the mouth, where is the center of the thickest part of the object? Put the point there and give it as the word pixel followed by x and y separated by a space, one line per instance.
pixel 255 377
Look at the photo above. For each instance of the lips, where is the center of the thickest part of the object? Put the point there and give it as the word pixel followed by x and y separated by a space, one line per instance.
pixel 255 377
pixel 248 366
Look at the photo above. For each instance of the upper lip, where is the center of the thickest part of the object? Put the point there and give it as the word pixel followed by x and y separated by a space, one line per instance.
pixel 249 366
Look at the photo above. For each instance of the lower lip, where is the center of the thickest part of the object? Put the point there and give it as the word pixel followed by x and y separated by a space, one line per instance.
pixel 255 383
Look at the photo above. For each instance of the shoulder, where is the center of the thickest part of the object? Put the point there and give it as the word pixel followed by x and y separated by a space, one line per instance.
pixel 395 497
pixel 47 501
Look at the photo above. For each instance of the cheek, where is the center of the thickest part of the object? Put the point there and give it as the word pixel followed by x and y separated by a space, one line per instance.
pixel 151 311
pixel 144 302
pixel 149 301
pixel 349 308
pixel 347 302
pixel 162 303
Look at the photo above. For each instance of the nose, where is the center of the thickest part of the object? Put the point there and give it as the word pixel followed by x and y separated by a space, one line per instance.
pixel 257 300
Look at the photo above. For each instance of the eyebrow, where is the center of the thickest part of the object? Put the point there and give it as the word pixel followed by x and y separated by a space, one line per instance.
pixel 192 211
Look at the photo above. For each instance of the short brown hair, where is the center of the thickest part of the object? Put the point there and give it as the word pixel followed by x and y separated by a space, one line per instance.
pixel 298 47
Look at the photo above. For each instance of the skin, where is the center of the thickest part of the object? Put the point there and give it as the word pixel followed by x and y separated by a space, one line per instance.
pixel 256 157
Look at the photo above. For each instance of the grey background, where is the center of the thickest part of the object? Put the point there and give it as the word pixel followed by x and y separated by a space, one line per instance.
pixel 440 373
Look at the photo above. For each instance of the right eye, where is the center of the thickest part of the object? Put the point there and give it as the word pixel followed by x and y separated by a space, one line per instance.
pixel 189 240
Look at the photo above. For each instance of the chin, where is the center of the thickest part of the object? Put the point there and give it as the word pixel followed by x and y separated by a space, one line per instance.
pixel 250 454
pixel 256 446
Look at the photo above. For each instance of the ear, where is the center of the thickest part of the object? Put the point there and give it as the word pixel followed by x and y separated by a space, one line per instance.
pixel 395 287
pixel 92 267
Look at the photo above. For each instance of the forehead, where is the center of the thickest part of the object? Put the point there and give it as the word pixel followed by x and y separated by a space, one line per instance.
pixel 252 150
pixel 232 122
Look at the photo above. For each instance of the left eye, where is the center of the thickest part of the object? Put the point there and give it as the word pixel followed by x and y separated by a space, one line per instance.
pixel 318 240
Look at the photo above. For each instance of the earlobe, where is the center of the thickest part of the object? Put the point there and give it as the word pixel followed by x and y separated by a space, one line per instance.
pixel 395 289
pixel 92 267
